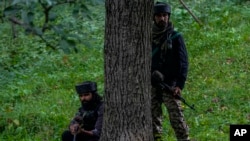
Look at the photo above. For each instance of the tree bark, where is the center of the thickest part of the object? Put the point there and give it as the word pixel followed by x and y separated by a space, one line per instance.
pixel 127 50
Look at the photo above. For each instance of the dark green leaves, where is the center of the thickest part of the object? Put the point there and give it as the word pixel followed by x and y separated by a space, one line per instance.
pixel 12 10
pixel 51 20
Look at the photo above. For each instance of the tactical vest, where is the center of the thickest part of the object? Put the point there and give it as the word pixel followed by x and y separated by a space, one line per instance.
pixel 160 57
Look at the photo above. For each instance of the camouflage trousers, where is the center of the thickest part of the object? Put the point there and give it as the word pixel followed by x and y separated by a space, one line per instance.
pixel 175 115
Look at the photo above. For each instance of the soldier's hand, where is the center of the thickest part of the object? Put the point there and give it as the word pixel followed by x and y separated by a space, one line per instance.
pixel 78 118
pixel 177 91
pixel 74 128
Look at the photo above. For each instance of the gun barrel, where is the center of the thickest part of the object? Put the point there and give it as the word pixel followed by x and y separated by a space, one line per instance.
pixel 169 89
pixel 159 77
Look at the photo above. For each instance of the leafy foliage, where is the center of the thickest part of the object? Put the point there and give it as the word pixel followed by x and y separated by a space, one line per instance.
pixel 37 93
pixel 46 19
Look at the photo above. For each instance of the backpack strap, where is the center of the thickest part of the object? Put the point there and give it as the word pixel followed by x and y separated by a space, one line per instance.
pixel 171 38
pixel 175 35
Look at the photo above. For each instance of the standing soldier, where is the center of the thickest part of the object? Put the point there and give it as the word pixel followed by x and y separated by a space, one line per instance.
pixel 169 57
pixel 87 123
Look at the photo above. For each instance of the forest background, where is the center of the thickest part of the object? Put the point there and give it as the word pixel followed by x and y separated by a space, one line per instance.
pixel 40 66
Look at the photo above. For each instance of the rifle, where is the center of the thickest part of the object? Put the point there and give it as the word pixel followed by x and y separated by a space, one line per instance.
pixel 78 119
pixel 158 77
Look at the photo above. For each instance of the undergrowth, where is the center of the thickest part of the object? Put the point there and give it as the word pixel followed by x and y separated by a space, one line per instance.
pixel 37 93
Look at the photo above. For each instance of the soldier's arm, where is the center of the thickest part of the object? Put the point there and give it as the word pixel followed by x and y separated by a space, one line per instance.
pixel 75 122
pixel 98 125
pixel 182 61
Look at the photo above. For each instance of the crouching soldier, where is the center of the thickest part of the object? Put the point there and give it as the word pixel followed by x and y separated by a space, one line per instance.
pixel 87 123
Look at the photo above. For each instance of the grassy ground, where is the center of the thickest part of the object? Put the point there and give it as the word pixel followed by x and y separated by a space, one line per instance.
pixel 37 93
pixel 218 82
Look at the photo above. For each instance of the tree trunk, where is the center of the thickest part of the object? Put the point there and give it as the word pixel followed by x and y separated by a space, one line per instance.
pixel 127 48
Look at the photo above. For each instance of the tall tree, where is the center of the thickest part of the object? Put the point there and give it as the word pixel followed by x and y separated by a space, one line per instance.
pixel 127 50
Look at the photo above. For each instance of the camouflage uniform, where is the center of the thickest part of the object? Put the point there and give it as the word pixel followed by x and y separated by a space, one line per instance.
pixel 175 115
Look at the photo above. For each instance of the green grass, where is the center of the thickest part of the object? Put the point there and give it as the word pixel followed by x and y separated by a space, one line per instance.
pixel 218 81
pixel 39 102
pixel 37 93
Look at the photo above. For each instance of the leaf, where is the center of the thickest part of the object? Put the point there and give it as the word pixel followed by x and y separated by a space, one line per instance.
pixel 67 44
pixel 30 16
pixel 19 129
pixel 16 1
pixel 16 122
pixel 11 10
pixel 52 16
pixel 74 36
pixel 58 29
pixel 27 2
pixel 71 42
pixel 84 8
pixel 24 16
pixel 64 46
pixel 99 1
pixel 75 12
pixel 49 2
pixel 38 31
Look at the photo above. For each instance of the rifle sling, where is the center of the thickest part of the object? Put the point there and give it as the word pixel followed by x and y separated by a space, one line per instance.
pixel 171 38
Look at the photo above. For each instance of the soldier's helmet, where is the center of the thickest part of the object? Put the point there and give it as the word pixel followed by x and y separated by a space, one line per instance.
pixel 86 87
pixel 161 7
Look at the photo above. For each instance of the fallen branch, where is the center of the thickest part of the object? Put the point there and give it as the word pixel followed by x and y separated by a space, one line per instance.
pixel 196 19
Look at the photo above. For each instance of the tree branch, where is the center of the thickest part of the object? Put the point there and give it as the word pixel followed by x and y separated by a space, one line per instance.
pixel 47 43
pixel 196 19
pixel 46 10
pixel 13 28
pixel 27 27
pixel 16 21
